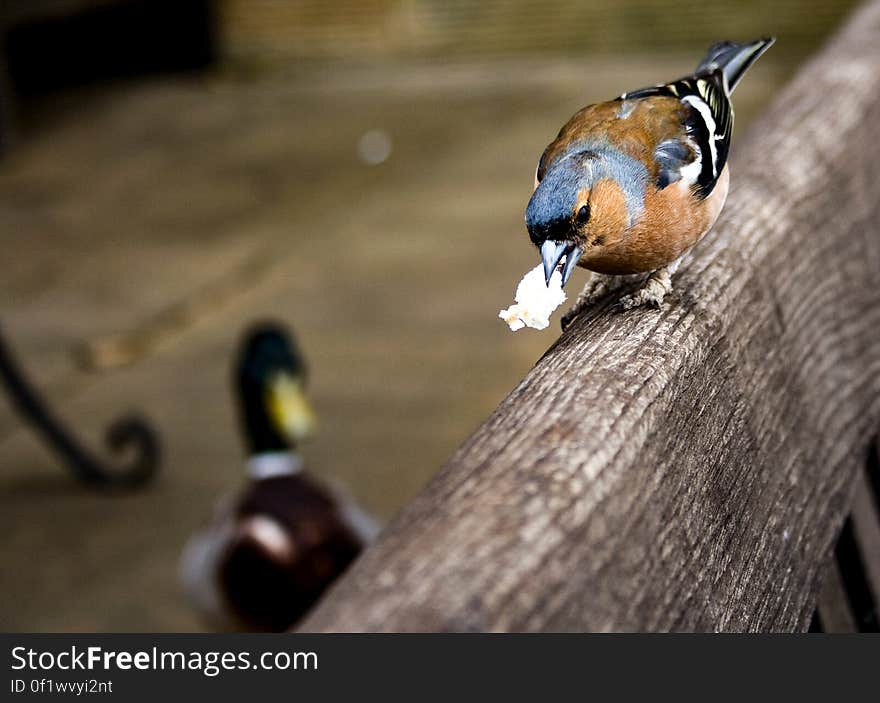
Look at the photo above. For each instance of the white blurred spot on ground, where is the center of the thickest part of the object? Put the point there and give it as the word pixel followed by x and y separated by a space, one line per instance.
pixel 374 146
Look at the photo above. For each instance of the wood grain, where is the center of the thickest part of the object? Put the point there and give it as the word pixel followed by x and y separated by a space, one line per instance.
pixel 686 469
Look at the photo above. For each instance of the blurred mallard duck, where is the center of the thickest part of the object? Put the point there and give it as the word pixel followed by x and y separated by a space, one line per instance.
pixel 272 549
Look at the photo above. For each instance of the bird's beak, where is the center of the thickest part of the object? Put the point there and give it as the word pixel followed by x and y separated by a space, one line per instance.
pixel 552 253
pixel 289 409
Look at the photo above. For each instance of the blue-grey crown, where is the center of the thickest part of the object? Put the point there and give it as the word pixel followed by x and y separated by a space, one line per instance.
pixel 549 212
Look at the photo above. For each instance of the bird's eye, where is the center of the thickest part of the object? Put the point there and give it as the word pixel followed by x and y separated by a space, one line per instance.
pixel 583 214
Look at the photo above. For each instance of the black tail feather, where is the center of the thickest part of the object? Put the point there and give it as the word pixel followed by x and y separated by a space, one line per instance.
pixel 734 59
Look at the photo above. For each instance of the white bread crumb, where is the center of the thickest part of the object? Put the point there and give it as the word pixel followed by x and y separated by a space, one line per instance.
pixel 535 301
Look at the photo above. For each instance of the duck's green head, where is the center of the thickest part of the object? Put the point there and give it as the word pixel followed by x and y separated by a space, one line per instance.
pixel 270 380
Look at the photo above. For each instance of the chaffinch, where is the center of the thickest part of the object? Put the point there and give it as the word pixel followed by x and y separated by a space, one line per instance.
pixel 629 185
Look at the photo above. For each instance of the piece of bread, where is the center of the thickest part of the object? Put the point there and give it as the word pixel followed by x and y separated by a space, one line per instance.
pixel 535 301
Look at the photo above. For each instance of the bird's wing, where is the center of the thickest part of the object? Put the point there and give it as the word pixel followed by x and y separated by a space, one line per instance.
pixel 680 131
pixel 699 153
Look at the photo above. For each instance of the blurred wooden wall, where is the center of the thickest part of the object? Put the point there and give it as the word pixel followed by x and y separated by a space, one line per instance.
pixel 280 30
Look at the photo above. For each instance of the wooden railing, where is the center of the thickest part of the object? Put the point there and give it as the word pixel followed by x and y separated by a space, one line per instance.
pixel 688 469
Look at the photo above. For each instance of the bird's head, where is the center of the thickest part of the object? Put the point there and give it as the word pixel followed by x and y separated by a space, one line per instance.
pixel 270 379
pixel 580 205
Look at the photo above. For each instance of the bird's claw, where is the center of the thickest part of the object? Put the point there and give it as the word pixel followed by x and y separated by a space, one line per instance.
pixel 652 293
pixel 628 302
pixel 568 317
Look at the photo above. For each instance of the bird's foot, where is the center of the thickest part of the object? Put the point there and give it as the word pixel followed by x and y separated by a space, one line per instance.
pixel 655 288
pixel 596 287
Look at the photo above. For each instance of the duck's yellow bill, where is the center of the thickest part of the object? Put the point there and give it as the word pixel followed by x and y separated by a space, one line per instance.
pixel 289 408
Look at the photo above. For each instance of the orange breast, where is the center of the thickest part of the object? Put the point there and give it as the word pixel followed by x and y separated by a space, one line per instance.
pixel 671 223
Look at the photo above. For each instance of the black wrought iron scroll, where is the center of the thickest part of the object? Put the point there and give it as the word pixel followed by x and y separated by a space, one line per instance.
pixel 127 434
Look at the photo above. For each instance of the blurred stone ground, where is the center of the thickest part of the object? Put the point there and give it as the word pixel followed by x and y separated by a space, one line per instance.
pixel 234 201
